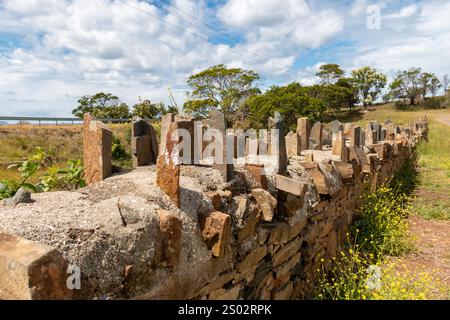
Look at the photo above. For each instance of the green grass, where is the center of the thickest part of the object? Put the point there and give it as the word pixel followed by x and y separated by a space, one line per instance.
pixel 433 187
pixel 434 161
pixel 433 200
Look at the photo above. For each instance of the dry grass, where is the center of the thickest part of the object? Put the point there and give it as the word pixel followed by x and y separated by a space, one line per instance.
pixel 62 143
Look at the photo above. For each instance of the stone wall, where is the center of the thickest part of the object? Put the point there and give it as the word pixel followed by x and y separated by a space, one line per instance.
pixel 250 237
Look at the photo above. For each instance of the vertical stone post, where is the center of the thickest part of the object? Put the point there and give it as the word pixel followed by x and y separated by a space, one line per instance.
pixel 144 144
pixel 315 138
pixel 166 120
pixel 168 167
pixel 338 146
pixel 217 121
pixel 97 154
pixel 281 142
pixel 369 135
pixel 383 134
pixel 293 144
pixel 355 136
pixel 303 130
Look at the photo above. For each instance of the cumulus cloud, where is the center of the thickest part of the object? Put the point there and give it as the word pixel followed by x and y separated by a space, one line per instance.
pixel 54 51
pixel 292 22
pixel 422 41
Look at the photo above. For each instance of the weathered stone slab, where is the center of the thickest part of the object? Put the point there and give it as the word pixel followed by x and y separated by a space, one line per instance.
pixel 338 146
pixel 252 258
pixel 287 251
pixel 290 185
pixel 168 168
pixel 218 122
pixel 335 126
pixel 326 178
pixel 303 130
pixel 369 135
pixel 293 144
pixel 97 154
pixel 258 173
pixel 376 128
pixel 144 145
pixel 216 232
pixel 170 228
pixel 166 120
pixel 346 171
pixel 279 149
pixel 31 271
pixel 266 203
pixel 315 138
pixel 355 136
pixel 383 134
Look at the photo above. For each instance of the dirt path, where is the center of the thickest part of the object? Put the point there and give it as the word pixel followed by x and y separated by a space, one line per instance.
pixel 445 119
pixel 432 242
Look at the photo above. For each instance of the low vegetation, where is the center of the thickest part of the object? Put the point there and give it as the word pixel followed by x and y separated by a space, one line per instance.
pixel 364 270
pixel 60 144
pixel 54 178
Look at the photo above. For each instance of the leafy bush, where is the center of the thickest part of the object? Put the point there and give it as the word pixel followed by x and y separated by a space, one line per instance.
pixel 360 272
pixel 434 103
pixel 63 179
pixel 27 169
pixel 54 179
pixel 118 150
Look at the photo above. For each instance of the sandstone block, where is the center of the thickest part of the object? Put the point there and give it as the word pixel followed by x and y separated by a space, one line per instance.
pixel 97 154
pixel 215 198
pixel 170 227
pixel 216 232
pixel 31 271
pixel 287 251
pixel 266 203
pixel 315 138
pixel 303 130
pixel 258 173
pixel 290 185
pixel 293 144
pixel 252 259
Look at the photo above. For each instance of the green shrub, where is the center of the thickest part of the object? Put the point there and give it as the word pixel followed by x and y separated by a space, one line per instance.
pixel 54 179
pixel 433 103
pixel 63 179
pixel 27 169
pixel 118 150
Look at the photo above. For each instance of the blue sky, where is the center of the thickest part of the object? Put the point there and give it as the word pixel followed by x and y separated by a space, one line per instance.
pixel 54 51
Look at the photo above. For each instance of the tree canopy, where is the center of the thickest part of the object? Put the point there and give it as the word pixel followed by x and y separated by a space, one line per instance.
pixel 330 73
pixel 220 88
pixel 292 101
pixel 101 105
pixel 368 83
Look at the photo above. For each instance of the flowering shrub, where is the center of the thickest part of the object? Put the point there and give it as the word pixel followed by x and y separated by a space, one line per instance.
pixel 360 271
pixel 381 222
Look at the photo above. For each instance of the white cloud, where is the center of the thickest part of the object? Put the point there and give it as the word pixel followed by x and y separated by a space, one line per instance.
pixel 422 41
pixel 292 23
pixel 404 12
pixel 359 7
pixel 54 51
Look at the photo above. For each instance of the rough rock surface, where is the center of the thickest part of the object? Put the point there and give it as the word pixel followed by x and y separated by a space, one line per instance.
pixel 108 226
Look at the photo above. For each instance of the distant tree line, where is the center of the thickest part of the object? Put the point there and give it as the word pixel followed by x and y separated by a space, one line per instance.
pixel 236 93
pixel 106 105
